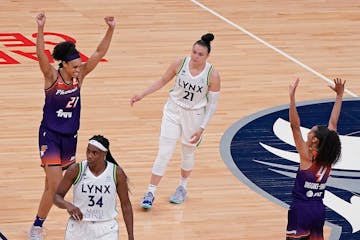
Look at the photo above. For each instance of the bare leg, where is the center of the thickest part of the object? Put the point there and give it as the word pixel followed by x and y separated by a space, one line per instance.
pixel 52 180
pixel 185 174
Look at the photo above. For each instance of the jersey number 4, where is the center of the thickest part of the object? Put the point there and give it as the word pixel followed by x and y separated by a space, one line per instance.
pixel 320 174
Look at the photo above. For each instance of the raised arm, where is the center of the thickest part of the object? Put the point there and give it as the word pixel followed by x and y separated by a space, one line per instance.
pixel 62 190
pixel 338 88
pixel 126 207
pixel 168 75
pixel 101 49
pixel 294 118
pixel 45 66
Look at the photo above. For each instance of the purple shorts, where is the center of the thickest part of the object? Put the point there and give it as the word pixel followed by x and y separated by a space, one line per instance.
pixel 306 218
pixel 56 149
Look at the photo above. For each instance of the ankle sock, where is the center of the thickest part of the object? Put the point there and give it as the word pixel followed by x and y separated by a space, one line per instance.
pixel 184 182
pixel 152 188
pixel 39 221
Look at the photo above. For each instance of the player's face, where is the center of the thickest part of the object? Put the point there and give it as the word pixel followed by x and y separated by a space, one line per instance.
pixel 94 154
pixel 73 67
pixel 199 54
pixel 311 135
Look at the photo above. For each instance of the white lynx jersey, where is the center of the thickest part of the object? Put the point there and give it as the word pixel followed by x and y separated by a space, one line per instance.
pixel 96 195
pixel 190 92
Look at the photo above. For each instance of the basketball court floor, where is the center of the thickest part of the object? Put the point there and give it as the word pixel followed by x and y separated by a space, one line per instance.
pixel 260 47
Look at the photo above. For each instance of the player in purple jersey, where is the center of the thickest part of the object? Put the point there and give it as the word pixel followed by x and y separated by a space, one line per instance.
pixel 322 149
pixel 61 112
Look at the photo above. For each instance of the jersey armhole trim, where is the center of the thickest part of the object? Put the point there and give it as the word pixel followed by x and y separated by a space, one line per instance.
pixel 209 75
pixel 79 173
pixel 53 83
pixel 114 173
pixel 181 66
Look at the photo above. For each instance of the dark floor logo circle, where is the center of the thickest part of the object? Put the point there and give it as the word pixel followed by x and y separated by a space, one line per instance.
pixel 259 150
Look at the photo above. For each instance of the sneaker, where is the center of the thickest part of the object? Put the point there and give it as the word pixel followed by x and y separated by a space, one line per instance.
pixel 148 200
pixel 179 195
pixel 35 233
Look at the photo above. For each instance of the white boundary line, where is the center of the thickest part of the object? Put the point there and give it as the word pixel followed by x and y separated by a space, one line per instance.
pixel 269 45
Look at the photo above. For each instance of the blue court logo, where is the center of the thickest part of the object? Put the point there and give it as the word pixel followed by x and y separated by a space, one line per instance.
pixel 260 151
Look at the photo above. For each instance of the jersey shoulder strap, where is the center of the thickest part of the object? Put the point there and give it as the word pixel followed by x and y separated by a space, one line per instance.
pixel 209 74
pixel 82 168
pixel 181 65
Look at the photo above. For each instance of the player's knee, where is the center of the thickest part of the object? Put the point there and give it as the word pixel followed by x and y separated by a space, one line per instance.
pixel 159 167
pixel 166 149
pixel 188 157
pixel 53 187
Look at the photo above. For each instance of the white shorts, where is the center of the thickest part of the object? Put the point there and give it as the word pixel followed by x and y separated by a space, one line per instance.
pixel 179 122
pixel 101 230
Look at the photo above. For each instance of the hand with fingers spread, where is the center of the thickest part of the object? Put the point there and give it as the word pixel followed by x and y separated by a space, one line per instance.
pixel 339 86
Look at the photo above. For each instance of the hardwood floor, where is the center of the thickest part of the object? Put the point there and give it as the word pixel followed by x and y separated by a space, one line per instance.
pixel 321 35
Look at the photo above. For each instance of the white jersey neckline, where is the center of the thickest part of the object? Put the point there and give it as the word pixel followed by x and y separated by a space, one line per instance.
pixel 188 68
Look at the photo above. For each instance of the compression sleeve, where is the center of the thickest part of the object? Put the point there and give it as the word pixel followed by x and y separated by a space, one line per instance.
pixel 213 98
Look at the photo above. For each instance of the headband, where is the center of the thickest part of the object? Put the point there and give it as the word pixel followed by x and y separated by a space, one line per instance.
pixel 98 145
pixel 71 57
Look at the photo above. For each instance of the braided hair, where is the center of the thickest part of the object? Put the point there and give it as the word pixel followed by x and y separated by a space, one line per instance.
pixel 105 142
pixel 205 41
pixel 329 146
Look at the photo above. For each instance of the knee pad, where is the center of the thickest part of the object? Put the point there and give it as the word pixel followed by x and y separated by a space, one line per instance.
pixel 188 157
pixel 165 152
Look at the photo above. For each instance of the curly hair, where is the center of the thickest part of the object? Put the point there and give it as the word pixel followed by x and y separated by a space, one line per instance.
pixel 63 50
pixel 329 146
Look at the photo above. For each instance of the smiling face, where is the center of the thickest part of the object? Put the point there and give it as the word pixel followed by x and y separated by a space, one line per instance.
pixel 72 68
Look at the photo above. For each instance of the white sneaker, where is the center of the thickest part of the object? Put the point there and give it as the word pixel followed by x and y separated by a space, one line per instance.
pixel 35 233
pixel 179 195
pixel 148 200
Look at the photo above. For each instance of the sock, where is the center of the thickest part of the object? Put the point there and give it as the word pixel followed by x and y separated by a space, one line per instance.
pixel 184 182
pixel 39 221
pixel 152 188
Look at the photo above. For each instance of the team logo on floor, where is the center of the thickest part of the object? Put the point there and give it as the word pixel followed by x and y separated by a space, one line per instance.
pixel 260 151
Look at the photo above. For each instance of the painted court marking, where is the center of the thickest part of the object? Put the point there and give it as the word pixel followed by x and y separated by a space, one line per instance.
pixel 268 45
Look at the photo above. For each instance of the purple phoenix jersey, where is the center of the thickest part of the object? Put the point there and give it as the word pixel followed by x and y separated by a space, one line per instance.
pixel 61 112
pixel 306 215
pixel 310 183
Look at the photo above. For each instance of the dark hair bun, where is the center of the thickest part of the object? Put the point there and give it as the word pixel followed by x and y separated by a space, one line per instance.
pixel 207 37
